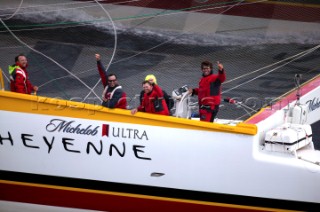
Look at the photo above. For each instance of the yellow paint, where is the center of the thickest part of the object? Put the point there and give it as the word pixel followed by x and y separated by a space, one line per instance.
pixel 257 114
pixel 1 80
pixel 140 196
pixel 16 102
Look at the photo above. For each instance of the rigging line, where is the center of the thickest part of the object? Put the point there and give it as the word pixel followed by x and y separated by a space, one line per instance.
pixel 48 28
pixel 273 100
pixel 61 4
pixel 70 3
pixel 83 23
pixel 239 118
pixel 175 12
pixel 248 113
pixel 247 107
pixel 188 29
pixel 164 11
pixel 43 5
pixel 114 48
pixel 46 5
pixel 165 42
pixel 10 47
pixel 150 18
pixel 183 10
pixel 52 80
pixel 15 12
pixel 58 64
pixel 48 82
pixel 277 98
pixel 154 46
pixel 122 2
pixel 268 66
pixel 6 77
pixel 143 16
pixel 294 56
pixel 168 40
pixel 310 50
pixel 54 10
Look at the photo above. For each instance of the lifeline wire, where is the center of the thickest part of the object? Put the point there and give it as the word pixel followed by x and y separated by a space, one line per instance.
pixel 5 77
pixel 114 48
pixel 268 66
pixel 70 3
pixel 234 78
pixel 83 23
pixel 176 36
pixel 58 64
pixel 62 4
pixel 192 28
pixel 152 47
pixel 137 17
pixel 15 12
pixel 301 53
pixel 129 18
pixel 180 34
pixel 305 53
pixel 148 49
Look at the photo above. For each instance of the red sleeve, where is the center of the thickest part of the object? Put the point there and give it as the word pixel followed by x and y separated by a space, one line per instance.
pixel 141 106
pixel 195 91
pixel 29 86
pixel 158 90
pixel 222 75
pixel 19 84
pixel 103 73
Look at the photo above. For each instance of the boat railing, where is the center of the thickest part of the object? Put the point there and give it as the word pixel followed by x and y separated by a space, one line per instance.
pixel 1 80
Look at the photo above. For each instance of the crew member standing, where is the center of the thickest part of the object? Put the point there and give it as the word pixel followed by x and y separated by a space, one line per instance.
pixel 113 96
pixel 209 91
pixel 153 100
pixel 153 80
pixel 19 78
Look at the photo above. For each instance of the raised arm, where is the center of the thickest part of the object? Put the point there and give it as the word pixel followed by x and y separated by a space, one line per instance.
pixel 102 70
pixel 31 87
pixel 221 72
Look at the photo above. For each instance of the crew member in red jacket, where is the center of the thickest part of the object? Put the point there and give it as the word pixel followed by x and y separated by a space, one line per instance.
pixel 152 101
pixel 113 96
pixel 19 78
pixel 209 91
